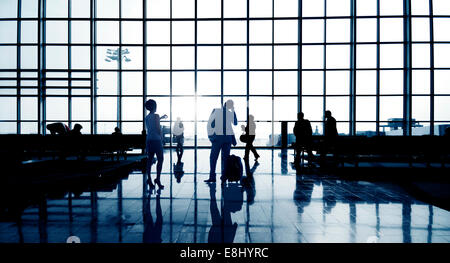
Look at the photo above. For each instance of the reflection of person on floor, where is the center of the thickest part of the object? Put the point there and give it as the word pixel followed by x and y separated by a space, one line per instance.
pixel 223 230
pixel 178 137
pixel 221 135
pixel 153 142
pixel 303 137
pixel 248 182
pixel 329 196
pixel 303 190
pixel 152 230
pixel 249 137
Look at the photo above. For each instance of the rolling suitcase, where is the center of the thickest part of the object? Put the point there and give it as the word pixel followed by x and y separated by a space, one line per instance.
pixel 233 169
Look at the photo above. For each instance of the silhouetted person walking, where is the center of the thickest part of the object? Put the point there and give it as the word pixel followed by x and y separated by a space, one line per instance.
pixel 303 137
pixel 178 136
pixel 249 137
pixel 153 142
pixel 221 135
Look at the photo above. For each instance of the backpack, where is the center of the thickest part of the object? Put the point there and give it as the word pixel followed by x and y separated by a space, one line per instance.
pixel 233 169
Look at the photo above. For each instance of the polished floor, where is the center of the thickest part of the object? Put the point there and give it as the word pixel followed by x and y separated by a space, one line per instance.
pixel 278 206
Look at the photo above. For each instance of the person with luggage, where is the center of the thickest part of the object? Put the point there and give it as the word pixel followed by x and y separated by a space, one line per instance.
pixel 221 135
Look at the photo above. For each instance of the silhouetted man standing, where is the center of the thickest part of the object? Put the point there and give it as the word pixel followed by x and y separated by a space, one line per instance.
pixel 303 136
pixel 221 135
pixel 330 130
pixel 330 133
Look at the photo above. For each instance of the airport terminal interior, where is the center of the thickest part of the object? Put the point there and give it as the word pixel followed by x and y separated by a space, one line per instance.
pixel 225 121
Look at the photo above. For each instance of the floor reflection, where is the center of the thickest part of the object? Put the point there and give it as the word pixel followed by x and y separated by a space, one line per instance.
pixel 273 204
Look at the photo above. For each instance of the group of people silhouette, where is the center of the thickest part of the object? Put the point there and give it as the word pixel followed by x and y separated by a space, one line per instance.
pixel 303 135
pixel 222 137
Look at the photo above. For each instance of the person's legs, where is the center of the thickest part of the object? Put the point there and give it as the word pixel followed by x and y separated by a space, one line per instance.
pixel 160 157
pixel 213 156
pixel 177 150
pixel 308 147
pixel 255 153
pixel 181 150
pixel 247 150
pixel 251 147
pixel 226 147
pixel 150 155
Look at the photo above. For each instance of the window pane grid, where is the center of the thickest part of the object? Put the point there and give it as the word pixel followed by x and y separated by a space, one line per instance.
pixel 183 52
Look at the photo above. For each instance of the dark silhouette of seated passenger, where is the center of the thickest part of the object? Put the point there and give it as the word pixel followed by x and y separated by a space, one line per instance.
pixel 58 128
pixel 447 132
pixel 123 150
pixel 223 230
pixel 152 230
pixel 117 131
pixel 76 130
pixel 303 137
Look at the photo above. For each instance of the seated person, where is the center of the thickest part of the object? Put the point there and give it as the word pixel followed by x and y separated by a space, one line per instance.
pixel 76 130
pixel 58 128
pixel 117 131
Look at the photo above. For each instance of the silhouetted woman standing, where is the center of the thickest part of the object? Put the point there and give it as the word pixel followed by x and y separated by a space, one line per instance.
pixel 153 142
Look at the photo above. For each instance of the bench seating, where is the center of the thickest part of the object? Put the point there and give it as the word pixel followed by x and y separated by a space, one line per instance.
pixel 26 147
pixel 426 149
